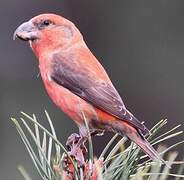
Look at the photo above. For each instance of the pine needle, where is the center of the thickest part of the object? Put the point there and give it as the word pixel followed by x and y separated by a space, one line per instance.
pixel 121 161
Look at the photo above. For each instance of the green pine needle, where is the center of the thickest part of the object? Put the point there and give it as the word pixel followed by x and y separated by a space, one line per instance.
pixel 120 161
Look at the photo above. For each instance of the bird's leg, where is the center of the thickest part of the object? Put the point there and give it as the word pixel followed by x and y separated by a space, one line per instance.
pixel 76 152
pixel 77 149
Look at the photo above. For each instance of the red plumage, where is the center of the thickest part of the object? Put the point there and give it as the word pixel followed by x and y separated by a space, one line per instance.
pixel 76 81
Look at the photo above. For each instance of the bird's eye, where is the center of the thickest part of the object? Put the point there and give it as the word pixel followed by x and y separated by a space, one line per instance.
pixel 42 24
pixel 46 22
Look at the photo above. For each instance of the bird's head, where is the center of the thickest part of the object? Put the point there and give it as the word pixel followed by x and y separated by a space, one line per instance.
pixel 46 32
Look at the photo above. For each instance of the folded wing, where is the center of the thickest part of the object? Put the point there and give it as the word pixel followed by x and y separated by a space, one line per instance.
pixel 99 93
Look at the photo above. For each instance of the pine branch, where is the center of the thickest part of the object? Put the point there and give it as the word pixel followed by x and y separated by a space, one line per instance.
pixel 115 162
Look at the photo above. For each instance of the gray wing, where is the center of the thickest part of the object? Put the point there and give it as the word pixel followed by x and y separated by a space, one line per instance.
pixel 100 94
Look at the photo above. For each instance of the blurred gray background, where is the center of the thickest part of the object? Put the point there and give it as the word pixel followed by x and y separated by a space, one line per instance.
pixel 140 43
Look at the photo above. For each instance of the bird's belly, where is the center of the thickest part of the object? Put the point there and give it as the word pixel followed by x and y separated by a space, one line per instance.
pixel 75 107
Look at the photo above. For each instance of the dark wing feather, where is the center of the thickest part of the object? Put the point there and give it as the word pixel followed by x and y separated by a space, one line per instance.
pixel 99 93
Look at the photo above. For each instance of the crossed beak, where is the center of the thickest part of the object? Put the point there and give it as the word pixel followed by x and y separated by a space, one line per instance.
pixel 26 32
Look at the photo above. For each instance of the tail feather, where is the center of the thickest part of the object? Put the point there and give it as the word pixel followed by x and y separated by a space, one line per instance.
pixel 137 137
pixel 149 150
pixel 146 147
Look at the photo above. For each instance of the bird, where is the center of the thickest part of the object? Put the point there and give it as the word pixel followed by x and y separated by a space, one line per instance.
pixel 76 81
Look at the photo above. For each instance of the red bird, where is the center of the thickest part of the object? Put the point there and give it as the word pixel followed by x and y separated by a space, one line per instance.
pixel 77 82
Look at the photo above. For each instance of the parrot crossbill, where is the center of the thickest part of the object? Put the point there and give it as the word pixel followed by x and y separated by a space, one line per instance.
pixel 76 81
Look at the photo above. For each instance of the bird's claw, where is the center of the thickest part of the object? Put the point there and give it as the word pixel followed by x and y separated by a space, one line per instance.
pixel 72 140
pixel 75 141
pixel 97 133
pixel 77 151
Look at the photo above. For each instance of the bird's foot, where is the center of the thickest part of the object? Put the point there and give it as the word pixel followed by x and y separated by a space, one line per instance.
pixel 77 151
pixel 97 133
pixel 76 141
